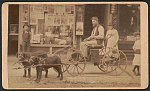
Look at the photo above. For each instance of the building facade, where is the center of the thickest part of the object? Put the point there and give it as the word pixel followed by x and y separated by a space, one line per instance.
pixel 54 26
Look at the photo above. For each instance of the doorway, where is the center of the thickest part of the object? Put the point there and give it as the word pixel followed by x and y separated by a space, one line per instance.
pixel 13 20
pixel 128 20
pixel 90 11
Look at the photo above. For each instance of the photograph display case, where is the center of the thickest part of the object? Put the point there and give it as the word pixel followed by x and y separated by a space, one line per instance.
pixel 13 29
pixel 25 13
pixel 79 19
pixel 52 24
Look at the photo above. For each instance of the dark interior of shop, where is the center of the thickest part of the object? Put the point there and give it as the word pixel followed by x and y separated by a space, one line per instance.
pixel 125 15
pixel 13 38
pixel 95 10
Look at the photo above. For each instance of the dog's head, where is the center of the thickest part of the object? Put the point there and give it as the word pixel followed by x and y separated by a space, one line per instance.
pixel 34 60
pixel 20 56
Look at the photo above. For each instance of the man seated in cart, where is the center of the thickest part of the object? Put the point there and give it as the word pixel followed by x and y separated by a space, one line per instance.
pixel 96 37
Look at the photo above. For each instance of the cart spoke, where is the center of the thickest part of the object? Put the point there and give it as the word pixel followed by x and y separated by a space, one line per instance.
pixel 80 67
pixel 74 70
pixel 72 67
pixel 77 69
pixel 77 62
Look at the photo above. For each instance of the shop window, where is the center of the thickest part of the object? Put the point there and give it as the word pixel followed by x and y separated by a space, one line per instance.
pixel 52 24
pixel 79 19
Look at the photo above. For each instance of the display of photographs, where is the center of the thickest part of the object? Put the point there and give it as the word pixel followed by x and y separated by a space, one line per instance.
pixel 33 19
pixel 31 8
pixel 40 15
pixel 38 8
pixel 49 20
pixel 14 28
pixel 71 19
pixel 79 28
pixel 36 12
pixel 50 29
pixel 57 20
pixel 57 9
pixel 41 26
pixel 35 16
pixel 33 29
pixel 62 10
pixel 51 9
pixel 45 7
pixel 25 7
pixel 64 20
pixel 80 8
pixel 69 9
pixel 25 13
pixel 79 17
pixel 33 32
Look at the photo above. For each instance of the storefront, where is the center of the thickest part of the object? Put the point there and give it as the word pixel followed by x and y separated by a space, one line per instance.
pixel 52 26
pixel 55 26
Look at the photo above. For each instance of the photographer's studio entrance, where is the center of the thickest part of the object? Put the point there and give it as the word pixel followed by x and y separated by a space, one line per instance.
pixel 90 11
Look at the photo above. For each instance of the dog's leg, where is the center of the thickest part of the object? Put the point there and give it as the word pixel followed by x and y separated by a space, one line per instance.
pixel 29 72
pixel 39 74
pixel 60 72
pixel 56 68
pixel 46 73
pixel 25 72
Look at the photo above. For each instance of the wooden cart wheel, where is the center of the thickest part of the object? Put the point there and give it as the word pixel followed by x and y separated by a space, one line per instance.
pixel 77 64
pixel 107 62
pixel 122 64
pixel 64 67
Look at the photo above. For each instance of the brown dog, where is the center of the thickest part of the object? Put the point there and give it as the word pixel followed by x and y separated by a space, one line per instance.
pixel 25 61
pixel 43 64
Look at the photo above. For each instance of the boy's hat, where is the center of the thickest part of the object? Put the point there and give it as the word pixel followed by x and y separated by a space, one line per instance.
pixel 94 18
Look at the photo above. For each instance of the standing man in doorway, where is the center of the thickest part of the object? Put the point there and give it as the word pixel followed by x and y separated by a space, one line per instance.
pixel 96 37
pixel 26 38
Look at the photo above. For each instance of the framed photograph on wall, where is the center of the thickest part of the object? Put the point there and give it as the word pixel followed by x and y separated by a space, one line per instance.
pixel 14 28
pixel 79 28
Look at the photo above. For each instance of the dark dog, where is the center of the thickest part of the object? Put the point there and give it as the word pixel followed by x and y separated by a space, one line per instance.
pixel 43 64
pixel 25 61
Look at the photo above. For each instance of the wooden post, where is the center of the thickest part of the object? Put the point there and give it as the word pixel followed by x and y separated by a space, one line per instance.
pixel 20 28
pixel 74 30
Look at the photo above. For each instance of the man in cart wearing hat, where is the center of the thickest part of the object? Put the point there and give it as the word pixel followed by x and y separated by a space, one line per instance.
pixel 96 37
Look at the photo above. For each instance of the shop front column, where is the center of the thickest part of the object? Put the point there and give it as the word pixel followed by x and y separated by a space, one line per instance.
pixel 112 15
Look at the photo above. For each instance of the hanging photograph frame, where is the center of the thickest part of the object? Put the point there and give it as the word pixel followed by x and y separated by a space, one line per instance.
pixel 14 28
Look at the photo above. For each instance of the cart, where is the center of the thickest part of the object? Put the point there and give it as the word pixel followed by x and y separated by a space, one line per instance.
pixel 108 60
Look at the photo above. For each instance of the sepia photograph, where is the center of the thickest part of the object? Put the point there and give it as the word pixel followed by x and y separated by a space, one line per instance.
pixel 75 45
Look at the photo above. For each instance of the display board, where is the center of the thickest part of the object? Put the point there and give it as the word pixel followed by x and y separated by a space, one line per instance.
pixel 53 24
pixel 79 19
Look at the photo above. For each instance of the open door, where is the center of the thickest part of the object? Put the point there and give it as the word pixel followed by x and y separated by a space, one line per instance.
pixel 13 24
pixel 90 11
